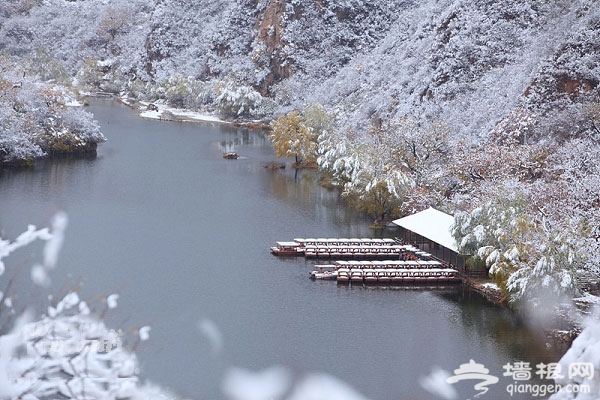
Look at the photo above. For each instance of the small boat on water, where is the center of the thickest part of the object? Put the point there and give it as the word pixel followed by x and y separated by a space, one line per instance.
pixel 370 276
pixel 356 275
pixel 382 276
pixel 287 249
pixel 343 275
pixel 324 272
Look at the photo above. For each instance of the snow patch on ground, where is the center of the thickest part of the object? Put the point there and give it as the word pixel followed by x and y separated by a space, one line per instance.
pixel 490 285
pixel 165 112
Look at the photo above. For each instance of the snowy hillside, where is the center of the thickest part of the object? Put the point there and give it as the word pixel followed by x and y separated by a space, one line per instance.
pixel 470 64
pixel 486 109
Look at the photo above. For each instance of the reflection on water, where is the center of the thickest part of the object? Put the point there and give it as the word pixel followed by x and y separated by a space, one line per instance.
pixel 505 327
pixel 244 138
pixel 183 235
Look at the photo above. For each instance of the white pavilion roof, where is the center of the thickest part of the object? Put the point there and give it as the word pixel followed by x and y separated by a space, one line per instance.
pixel 432 224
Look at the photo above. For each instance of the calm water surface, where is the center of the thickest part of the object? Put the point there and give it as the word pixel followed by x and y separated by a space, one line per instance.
pixel 182 234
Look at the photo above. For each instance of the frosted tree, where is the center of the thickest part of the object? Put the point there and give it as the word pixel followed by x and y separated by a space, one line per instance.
pixel 68 351
pixel 318 120
pixel 396 167
pixel 335 156
pixel 367 172
pixel 592 112
pixel 37 121
pixel 550 269
pixel 419 148
pixel 46 67
pixel 526 259
pixel 114 21
pixel 177 91
pixel 238 100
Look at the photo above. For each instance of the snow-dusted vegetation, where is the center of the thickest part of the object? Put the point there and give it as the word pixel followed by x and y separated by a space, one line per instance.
pixel 489 110
pixel 39 118
pixel 585 349
pixel 67 352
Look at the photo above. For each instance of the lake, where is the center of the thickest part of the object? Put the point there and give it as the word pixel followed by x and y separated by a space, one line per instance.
pixel 183 235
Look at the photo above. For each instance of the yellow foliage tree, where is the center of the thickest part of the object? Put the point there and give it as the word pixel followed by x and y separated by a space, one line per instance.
pixel 292 138
pixel 379 203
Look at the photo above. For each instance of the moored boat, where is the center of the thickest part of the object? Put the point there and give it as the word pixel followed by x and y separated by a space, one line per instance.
pixel 287 249
pixel 324 272
pixel 356 276
pixel 343 275
pixel 370 276
pixel 382 276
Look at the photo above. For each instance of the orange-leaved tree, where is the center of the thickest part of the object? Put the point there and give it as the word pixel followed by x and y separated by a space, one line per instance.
pixel 291 137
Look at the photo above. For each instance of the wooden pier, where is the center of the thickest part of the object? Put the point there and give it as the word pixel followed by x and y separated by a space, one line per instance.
pixel 437 276
pixel 389 262
pixel 354 251
pixel 347 248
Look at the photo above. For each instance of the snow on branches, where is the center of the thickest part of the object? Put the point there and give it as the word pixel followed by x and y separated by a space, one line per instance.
pixel 525 258
pixel 396 168
pixel 68 352
pixel 35 121
pixel 237 100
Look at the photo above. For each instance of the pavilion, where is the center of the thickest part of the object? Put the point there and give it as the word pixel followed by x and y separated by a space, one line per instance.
pixel 429 230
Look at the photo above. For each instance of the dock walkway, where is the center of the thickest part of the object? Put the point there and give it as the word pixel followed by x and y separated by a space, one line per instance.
pixel 389 261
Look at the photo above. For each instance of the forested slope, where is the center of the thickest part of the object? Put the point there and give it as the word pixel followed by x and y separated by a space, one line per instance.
pixel 485 109
pixel 470 64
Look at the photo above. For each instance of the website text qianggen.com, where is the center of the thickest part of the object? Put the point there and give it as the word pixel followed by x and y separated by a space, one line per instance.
pixel 543 390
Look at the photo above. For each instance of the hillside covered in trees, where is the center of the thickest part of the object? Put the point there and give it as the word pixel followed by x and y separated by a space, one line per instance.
pixel 487 110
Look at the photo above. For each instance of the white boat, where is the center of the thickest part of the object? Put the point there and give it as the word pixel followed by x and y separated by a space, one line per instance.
pixel 287 249
pixel 324 272
pixel 343 275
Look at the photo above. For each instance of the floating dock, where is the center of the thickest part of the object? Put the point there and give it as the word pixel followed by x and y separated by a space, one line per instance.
pixel 347 248
pixel 389 262
pixel 386 272
pixel 396 276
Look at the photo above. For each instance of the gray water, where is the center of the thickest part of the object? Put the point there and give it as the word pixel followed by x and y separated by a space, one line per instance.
pixel 183 234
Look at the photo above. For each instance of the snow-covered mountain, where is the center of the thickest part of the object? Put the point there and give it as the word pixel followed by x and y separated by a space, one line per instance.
pixel 468 63
pixel 465 105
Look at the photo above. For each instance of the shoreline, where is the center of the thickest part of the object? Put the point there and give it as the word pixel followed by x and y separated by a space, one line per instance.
pixel 558 336
pixel 489 290
pixel 163 112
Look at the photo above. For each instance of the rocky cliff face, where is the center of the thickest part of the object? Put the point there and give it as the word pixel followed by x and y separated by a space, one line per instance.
pixel 268 54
